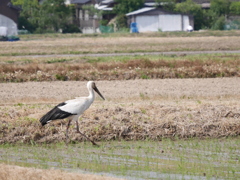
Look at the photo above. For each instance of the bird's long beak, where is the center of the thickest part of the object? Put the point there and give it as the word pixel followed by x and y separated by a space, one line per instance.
pixel 96 89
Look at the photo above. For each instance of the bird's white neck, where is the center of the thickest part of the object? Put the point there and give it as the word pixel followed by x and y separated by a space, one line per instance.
pixel 91 94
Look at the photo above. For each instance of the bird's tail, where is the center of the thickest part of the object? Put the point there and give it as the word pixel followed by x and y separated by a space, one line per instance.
pixel 47 117
pixel 44 120
pixel 54 114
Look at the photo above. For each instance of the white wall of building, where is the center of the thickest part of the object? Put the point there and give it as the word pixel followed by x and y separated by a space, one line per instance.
pixel 147 23
pixel 163 22
pixel 9 24
pixel 186 22
pixel 170 22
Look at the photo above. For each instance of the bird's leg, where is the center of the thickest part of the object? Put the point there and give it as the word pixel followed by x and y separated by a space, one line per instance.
pixel 78 131
pixel 69 122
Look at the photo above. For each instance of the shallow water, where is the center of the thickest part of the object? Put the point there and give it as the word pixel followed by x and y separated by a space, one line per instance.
pixel 190 159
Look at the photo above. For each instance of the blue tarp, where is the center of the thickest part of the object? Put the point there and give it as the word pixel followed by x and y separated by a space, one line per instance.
pixel 134 28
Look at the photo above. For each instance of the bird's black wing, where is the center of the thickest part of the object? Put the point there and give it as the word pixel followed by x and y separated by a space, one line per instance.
pixel 54 114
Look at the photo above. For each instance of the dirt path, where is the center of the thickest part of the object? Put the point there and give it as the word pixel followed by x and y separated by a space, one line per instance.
pixel 120 90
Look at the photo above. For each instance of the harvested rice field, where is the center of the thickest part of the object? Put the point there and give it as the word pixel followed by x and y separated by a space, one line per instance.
pixel 173 120
pixel 133 110
pixel 164 117
pixel 40 45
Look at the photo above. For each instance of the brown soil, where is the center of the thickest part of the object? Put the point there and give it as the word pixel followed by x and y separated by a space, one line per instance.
pixel 174 89
pixel 133 110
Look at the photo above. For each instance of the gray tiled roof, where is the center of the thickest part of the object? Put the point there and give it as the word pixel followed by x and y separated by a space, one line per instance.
pixel 139 11
pixel 207 1
pixel 79 1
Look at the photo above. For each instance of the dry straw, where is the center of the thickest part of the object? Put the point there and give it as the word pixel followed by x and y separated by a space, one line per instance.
pixel 11 172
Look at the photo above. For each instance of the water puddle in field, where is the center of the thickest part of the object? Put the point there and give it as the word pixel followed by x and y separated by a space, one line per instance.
pixel 133 160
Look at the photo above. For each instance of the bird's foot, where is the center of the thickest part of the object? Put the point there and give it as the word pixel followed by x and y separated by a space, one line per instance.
pixel 67 141
pixel 95 144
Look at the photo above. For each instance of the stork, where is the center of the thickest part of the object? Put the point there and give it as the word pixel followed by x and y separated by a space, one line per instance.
pixel 72 109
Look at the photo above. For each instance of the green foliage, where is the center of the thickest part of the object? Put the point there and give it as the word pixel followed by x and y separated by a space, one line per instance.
pixel 123 7
pixel 220 7
pixel 61 77
pixel 126 6
pixel 219 24
pixel 194 9
pixel 104 22
pixel 24 23
pixel 166 4
pixel 121 21
pixel 30 14
pixel 235 8
pixel 214 18
pixel 55 14
pixel 50 16
pixel 92 10
pixel 208 20
pixel 187 6
pixel 70 28
pixel 144 76
pixel 17 2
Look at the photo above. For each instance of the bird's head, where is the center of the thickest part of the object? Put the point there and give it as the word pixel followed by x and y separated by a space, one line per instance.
pixel 92 85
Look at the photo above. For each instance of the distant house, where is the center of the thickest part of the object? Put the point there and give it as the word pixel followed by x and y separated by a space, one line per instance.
pixel 151 19
pixel 8 18
pixel 85 21
pixel 148 19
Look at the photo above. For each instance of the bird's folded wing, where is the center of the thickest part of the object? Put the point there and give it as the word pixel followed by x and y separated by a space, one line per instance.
pixel 55 113
pixel 75 106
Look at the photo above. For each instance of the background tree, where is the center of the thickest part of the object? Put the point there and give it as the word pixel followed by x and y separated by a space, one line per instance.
pixel 50 16
pixel 126 6
pixel 30 14
pixel 55 14
pixel 234 8
pixel 216 15
pixel 220 7
pixel 123 7
pixel 93 11
pixel 194 9
pixel 166 4
pixel 17 2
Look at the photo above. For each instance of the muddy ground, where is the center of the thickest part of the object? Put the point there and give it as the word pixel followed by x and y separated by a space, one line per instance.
pixel 11 172
pixel 133 110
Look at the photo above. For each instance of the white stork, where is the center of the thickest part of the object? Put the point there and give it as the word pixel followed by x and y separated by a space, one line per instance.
pixel 72 109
